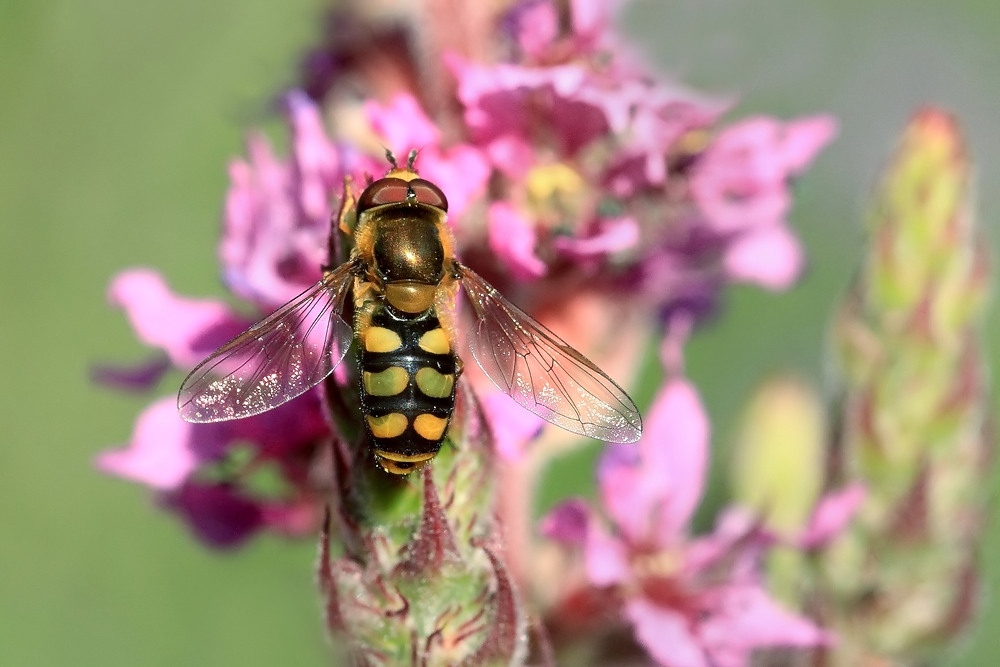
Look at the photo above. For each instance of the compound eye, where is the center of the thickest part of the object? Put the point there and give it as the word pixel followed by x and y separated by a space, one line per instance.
pixel 383 191
pixel 428 193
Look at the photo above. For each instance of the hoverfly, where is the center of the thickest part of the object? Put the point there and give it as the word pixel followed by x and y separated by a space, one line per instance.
pixel 404 278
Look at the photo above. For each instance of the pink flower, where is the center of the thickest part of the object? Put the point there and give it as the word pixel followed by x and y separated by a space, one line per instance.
pixel 741 184
pixel 651 490
pixel 572 173
pixel 277 213
pixel 691 602
pixel 166 453
pixel 186 329
pixel 741 180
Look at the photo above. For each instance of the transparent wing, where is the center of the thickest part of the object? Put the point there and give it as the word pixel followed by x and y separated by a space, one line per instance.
pixel 544 374
pixel 284 355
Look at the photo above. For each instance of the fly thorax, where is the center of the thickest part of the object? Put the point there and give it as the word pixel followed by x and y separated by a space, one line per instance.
pixel 409 257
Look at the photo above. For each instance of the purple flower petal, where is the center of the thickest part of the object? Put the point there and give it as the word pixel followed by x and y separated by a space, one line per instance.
pixel 804 138
pixel 535 26
pixel 292 519
pixel 606 557
pixel 509 100
pixel 281 433
pixel 771 257
pixel 592 17
pixel 165 450
pixel 512 426
pixel 746 618
pixel 651 499
pixel 217 514
pixel 159 454
pixel 186 329
pixel 741 180
pixel 512 238
pixel 568 522
pixel 654 117
pixel 462 172
pixel 614 235
pixel 735 541
pixel 142 376
pixel 402 124
pixel 834 512
pixel 266 257
pixel 277 214
pixel 317 164
pixel 666 634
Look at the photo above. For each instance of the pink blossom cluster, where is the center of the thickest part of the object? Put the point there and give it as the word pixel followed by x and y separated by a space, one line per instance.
pixel 570 171
pixel 692 601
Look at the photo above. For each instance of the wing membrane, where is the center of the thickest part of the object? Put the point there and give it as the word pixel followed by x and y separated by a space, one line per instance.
pixel 282 356
pixel 542 372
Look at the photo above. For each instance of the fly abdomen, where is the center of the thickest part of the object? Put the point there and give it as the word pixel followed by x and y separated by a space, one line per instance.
pixel 408 374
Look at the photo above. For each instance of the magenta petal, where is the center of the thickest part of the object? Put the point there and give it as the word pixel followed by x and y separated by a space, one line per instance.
pixel 614 235
pixel 217 514
pixel 186 329
pixel 651 493
pixel 142 376
pixel 317 163
pixel 512 426
pixel 770 257
pixel 741 181
pixel 590 16
pixel 512 238
pixel 606 557
pixel 462 172
pixel 511 154
pixel 654 118
pixel 834 512
pixel 536 25
pixel 804 138
pixel 593 20
pixel 740 187
pixel 159 454
pixel 259 221
pixel 744 618
pixel 736 540
pixel 278 433
pixel 665 634
pixel 276 219
pixel 402 124
pixel 511 100
pixel 568 522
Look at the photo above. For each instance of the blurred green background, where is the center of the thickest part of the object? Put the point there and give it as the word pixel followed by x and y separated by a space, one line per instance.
pixel 116 123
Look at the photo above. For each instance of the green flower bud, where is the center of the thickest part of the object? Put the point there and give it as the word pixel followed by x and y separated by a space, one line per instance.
pixel 914 407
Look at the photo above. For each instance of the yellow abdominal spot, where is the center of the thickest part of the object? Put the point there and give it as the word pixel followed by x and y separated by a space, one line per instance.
pixel 430 427
pixel 380 339
pixel 389 426
pixel 389 382
pixel 434 384
pixel 435 341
